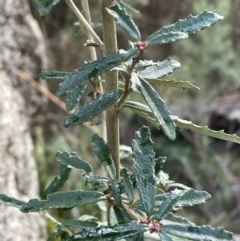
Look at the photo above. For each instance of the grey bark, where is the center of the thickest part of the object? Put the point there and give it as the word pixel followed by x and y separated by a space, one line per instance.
pixel 21 47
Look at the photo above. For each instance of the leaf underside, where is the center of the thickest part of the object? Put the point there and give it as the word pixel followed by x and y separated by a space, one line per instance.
pixel 154 70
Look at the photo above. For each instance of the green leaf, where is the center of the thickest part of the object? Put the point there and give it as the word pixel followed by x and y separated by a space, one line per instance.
pixel 9 201
pixel 115 191
pixel 127 184
pixel 167 205
pixel 159 162
pixel 204 130
pixel 143 168
pixel 102 151
pixel 192 197
pixel 68 199
pixel 73 161
pixel 200 233
pixel 74 96
pixel 108 233
pixel 187 197
pixel 191 24
pixel 92 109
pixel 170 218
pixel 142 110
pixel 53 75
pixel 174 83
pixel 93 69
pixel 76 223
pixel 154 70
pixel 124 20
pixel 164 237
pixel 59 181
pixel 121 214
pixel 165 38
pixel 156 104
pixel 44 6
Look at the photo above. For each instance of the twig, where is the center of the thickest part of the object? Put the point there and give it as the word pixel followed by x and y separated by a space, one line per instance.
pixel 55 221
pixel 83 21
pixel 92 50
pixel 50 96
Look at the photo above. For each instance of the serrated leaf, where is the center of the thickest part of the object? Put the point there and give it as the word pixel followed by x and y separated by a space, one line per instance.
pixel 187 197
pixel 53 75
pixel 124 20
pixel 192 197
pixel 9 201
pixel 92 70
pixel 68 199
pixel 96 179
pixel 59 181
pixel 71 160
pixel 76 223
pixel 165 38
pixel 155 70
pixel 102 151
pixel 115 192
pixel 170 218
pixel 109 233
pixel 127 184
pixel 143 157
pixel 74 96
pixel 159 162
pixel 200 233
pixel 44 6
pixel 174 83
pixel 144 111
pixel 167 205
pixel 163 179
pixel 92 109
pixel 156 104
pixel 204 130
pixel 190 25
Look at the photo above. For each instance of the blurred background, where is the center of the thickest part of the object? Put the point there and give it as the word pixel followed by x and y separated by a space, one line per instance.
pixel 209 59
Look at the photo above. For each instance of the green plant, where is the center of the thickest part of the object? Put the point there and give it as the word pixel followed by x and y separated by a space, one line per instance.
pixel 130 216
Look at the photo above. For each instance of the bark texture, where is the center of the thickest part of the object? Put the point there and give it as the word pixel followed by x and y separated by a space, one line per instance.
pixel 21 47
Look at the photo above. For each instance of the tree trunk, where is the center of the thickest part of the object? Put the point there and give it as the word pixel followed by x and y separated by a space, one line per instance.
pixel 21 47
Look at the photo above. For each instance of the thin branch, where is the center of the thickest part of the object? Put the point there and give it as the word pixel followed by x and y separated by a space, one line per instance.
pixel 51 96
pixel 55 221
pixel 86 10
pixel 83 21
